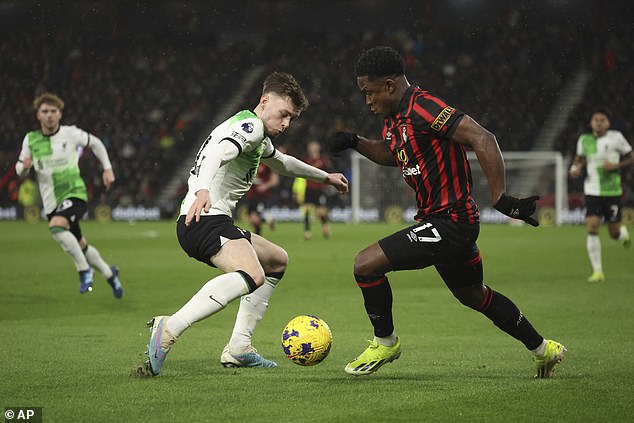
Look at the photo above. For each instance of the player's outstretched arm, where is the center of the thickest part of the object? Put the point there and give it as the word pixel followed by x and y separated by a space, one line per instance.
pixel 486 148
pixel 338 181
pixel 376 151
pixel 292 166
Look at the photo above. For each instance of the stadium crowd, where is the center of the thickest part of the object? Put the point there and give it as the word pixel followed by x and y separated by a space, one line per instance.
pixel 149 94
pixel 611 88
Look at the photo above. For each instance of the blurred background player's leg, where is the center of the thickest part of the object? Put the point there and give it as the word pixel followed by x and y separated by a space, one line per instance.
pixel 307 232
pixel 322 214
pixel 111 273
pixel 593 246
pixel 71 246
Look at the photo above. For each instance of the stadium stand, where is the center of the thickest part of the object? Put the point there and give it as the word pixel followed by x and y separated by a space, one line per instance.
pixel 149 91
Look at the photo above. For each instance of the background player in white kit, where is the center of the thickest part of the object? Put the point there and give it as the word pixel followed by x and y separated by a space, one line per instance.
pixel 223 172
pixel 52 151
pixel 604 153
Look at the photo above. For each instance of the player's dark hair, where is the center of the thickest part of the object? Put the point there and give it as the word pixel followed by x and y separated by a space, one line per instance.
pixel 48 98
pixel 285 84
pixel 380 61
pixel 603 111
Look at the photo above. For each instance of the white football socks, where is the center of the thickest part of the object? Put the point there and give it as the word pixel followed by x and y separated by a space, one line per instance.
pixel 387 341
pixel 539 351
pixel 593 245
pixel 95 260
pixel 212 297
pixel 252 308
pixel 623 233
pixel 70 245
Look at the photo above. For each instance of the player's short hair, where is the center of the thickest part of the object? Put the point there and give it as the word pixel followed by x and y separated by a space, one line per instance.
pixel 380 61
pixel 601 110
pixel 48 98
pixel 285 85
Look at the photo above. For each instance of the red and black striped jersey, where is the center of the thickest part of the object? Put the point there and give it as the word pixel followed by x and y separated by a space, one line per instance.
pixel 262 176
pixel 436 168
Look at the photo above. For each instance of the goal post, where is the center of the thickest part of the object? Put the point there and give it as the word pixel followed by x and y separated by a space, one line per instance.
pixel 543 173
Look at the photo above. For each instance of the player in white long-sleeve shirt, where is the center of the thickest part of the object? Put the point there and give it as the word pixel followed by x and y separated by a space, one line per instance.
pixel 52 152
pixel 222 173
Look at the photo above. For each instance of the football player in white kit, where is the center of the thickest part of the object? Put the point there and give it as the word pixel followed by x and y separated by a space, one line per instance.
pixel 603 153
pixel 222 173
pixel 52 153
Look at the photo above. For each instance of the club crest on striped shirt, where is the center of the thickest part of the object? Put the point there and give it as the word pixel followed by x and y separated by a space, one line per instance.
pixel 402 156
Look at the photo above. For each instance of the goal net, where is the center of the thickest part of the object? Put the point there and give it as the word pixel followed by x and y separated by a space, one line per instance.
pixel 380 191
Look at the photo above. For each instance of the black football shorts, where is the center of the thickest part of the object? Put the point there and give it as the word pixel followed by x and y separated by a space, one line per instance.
pixel 609 208
pixel 255 205
pixel 73 209
pixel 315 196
pixel 448 246
pixel 202 240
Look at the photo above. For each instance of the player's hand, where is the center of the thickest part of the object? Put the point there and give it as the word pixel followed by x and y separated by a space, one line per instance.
pixel 340 141
pixel 108 178
pixel 518 208
pixel 611 166
pixel 575 171
pixel 202 202
pixel 27 163
pixel 338 181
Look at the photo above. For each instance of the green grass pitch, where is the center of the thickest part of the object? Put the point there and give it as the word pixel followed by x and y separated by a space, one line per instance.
pixel 72 354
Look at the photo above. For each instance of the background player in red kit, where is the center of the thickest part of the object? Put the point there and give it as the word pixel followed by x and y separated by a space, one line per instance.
pixel 258 197
pixel 314 196
pixel 426 138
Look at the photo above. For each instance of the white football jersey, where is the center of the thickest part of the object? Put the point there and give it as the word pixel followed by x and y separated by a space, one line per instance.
pixel 246 131
pixel 598 150
pixel 55 163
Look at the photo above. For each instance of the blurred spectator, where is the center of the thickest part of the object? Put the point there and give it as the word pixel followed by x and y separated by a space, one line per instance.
pixel 149 79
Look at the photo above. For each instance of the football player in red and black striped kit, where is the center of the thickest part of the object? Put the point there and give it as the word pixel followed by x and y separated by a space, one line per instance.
pixel 426 137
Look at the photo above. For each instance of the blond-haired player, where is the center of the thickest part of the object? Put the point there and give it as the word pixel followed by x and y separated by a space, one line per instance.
pixel 52 152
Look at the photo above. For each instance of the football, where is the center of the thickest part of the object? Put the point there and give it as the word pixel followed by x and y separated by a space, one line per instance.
pixel 306 340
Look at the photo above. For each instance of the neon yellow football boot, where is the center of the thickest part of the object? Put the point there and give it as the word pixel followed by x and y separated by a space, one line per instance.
pixel 597 277
pixel 545 364
pixel 373 358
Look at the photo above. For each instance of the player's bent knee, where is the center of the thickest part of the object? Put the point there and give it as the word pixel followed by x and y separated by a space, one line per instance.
pixel 371 261
pixel 364 265
pixel 615 231
pixel 56 229
pixel 253 281
pixel 282 259
pixel 59 222
pixel 276 262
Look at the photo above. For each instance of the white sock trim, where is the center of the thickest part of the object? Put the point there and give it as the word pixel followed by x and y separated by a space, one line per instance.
pixel 387 341
pixel 541 349
pixel 623 233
